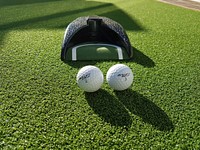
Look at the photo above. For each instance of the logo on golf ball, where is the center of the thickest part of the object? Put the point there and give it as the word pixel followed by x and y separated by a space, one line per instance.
pixel 124 75
pixel 85 77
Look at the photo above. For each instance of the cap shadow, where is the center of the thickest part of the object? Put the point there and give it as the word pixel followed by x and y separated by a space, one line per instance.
pixel 143 107
pixel 141 59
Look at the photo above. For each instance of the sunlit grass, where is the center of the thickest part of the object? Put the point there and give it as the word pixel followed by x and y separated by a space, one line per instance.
pixel 42 107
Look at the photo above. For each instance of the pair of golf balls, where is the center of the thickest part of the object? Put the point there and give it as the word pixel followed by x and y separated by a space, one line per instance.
pixel 90 78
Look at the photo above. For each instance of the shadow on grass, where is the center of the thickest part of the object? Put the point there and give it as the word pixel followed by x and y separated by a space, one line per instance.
pixel 142 59
pixel 62 16
pixel 144 108
pixel 37 22
pixel 108 108
pixel 126 21
pixel 22 2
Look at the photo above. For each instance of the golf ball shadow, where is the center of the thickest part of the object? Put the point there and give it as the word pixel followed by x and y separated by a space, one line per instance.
pixel 108 108
pixel 145 109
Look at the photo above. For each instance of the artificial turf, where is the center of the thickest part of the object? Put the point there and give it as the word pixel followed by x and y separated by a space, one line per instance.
pixel 41 106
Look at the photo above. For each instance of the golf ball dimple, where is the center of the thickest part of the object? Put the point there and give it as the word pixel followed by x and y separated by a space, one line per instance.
pixel 119 77
pixel 90 78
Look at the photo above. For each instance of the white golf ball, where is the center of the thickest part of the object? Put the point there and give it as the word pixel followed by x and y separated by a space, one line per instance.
pixel 90 78
pixel 119 77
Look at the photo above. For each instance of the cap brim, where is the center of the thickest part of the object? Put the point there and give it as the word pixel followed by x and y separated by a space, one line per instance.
pixel 96 51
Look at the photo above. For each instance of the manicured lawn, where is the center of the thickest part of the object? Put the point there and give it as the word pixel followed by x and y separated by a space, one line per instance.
pixel 41 106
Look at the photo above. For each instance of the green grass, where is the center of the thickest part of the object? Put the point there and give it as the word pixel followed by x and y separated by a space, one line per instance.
pixel 41 106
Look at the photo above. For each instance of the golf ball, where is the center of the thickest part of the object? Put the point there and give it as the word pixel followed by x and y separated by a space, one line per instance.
pixel 90 78
pixel 119 77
